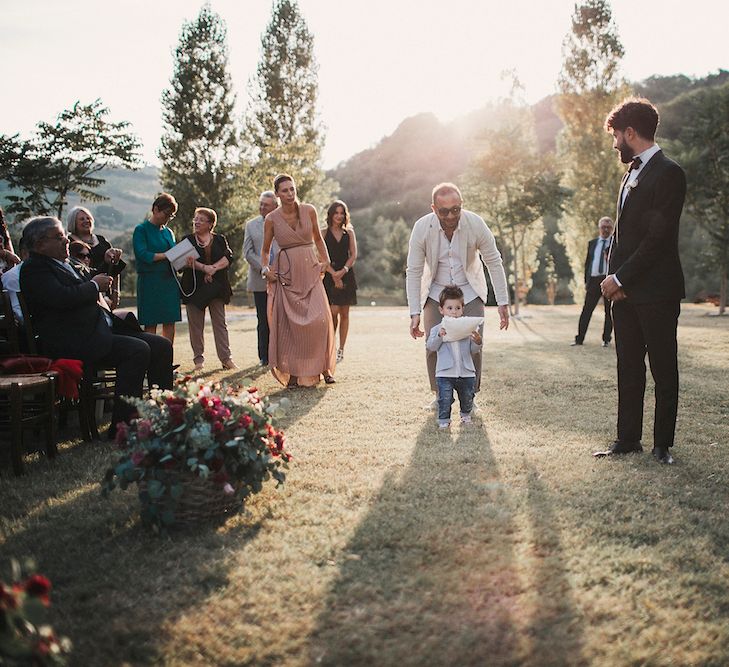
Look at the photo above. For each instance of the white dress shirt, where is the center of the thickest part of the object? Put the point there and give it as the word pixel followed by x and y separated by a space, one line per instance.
pixel 600 247
pixel 646 155
pixel 450 269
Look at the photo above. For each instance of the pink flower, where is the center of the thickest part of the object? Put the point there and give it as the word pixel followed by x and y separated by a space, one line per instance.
pixel 228 489
pixel 137 457
pixel 144 429
pixel 245 421
pixel 218 427
pixel 122 432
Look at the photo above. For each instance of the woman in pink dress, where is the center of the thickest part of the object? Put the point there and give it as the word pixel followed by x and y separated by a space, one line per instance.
pixel 301 346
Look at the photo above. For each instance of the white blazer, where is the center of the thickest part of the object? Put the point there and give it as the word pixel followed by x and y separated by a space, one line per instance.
pixel 476 241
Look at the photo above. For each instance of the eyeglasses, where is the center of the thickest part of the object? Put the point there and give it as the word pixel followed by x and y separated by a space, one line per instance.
pixel 454 210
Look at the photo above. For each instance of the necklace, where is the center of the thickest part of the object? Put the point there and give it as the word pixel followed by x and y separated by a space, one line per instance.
pixel 200 243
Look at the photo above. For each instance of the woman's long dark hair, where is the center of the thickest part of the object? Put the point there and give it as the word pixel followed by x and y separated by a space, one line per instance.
pixel 333 209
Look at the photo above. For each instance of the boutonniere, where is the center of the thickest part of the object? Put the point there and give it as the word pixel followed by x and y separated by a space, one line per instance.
pixel 633 185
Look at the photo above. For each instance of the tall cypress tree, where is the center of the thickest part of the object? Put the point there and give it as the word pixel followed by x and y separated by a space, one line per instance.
pixel 282 128
pixel 590 85
pixel 199 144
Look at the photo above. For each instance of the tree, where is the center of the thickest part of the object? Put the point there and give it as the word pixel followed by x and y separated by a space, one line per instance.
pixel 199 143
pixel 515 186
pixel 64 158
pixel 702 147
pixel 590 85
pixel 282 130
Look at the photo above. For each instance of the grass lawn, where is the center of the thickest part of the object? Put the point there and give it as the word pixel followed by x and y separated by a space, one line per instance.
pixel 500 543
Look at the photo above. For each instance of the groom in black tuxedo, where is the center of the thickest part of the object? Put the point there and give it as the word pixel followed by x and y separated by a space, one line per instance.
pixel 73 322
pixel 645 280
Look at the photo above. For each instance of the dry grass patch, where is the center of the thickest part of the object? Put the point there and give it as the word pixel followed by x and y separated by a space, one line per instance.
pixel 502 543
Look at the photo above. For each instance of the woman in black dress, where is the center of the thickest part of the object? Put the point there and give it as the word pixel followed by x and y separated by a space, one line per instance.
pixel 103 258
pixel 339 280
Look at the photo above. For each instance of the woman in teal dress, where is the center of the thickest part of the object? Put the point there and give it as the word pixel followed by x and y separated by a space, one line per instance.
pixel 158 297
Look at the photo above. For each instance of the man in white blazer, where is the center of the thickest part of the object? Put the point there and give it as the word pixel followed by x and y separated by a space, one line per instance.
pixel 447 247
pixel 252 244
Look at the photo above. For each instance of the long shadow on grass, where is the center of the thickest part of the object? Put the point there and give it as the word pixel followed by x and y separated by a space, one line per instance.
pixel 554 630
pixel 116 584
pixel 429 577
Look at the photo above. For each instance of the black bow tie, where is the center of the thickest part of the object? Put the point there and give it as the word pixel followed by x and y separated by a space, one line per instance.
pixel 635 164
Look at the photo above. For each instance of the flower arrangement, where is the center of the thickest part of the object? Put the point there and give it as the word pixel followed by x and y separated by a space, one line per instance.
pixel 25 637
pixel 213 437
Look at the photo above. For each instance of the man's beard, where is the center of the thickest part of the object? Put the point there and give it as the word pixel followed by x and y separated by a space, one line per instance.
pixel 626 154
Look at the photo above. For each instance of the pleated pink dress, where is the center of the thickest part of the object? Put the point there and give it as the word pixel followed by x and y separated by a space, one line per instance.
pixel 301 342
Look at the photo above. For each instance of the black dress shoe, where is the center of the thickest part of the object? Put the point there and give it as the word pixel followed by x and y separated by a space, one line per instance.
pixel 619 447
pixel 575 343
pixel 606 343
pixel 662 455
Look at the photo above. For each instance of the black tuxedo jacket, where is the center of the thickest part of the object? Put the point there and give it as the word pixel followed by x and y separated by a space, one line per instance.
pixel 590 256
pixel 644 255
pixel 66 314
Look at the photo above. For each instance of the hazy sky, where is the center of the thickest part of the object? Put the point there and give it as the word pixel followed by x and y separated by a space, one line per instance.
pixel 380 60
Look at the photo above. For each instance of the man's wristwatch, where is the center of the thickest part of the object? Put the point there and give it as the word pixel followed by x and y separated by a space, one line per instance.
pixel 265 271
pixel 346 269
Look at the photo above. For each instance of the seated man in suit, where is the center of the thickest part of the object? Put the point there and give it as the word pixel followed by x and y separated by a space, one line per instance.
pixel 73 322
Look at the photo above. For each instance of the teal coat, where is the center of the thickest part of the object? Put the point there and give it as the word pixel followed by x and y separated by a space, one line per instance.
pixel 158 297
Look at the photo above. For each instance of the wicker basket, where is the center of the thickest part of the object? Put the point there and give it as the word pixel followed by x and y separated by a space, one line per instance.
pixel 201 499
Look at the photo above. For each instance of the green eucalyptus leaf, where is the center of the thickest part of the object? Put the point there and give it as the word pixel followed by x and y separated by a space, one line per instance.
pixel 155 488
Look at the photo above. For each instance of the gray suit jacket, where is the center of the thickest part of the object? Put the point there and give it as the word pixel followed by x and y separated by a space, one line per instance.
pixel 252 244
pixel 466 346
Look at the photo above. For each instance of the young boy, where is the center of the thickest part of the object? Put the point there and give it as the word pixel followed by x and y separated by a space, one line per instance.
pixel 454 369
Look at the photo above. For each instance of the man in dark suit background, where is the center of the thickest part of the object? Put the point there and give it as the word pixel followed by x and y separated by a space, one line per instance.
pixel 595 270
pixel 645 280
pixel 72 322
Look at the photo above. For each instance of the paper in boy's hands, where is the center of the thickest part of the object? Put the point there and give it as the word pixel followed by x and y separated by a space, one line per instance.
pixel 458 328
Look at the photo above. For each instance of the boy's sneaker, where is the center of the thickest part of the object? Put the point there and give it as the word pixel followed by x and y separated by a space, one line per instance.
pixel 465 419
pixel 442 426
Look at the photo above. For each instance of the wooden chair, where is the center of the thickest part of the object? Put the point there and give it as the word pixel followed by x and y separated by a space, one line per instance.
pixel 26 401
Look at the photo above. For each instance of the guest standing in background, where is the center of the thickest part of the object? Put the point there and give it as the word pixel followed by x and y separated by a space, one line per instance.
pixel 301 346
pixel 595 272
pixel 102 257
pixel 158 296
pixel 209 287
pixel 252 244
pixel 339 281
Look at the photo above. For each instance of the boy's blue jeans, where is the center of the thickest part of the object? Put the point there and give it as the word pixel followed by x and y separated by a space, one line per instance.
pixel 465 388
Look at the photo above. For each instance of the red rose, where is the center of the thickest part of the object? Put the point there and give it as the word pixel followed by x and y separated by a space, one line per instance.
pixel 245 421
pixel 209 414
pixel 122 431
pixel 221 477
pixel 218 427
pixel 38 586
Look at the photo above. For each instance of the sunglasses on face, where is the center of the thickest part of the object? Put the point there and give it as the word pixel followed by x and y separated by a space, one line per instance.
pixel 454 210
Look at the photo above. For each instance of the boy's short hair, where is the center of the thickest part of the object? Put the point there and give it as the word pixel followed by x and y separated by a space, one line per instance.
pixel 450 292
